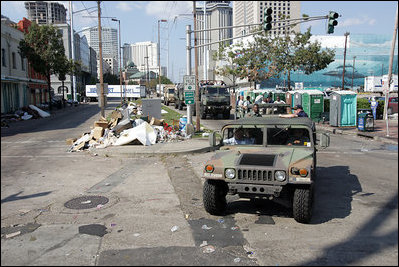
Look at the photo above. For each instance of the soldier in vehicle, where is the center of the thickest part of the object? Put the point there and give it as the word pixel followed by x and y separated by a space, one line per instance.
pixel 240 138
pixel 298 112
pixel 297 137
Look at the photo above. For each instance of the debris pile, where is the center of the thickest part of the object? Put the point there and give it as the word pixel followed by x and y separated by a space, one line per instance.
pixel 127 126
pixel 25 113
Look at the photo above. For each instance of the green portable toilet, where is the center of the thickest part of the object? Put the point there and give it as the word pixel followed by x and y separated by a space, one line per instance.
pixel 313 103
pixel 343 108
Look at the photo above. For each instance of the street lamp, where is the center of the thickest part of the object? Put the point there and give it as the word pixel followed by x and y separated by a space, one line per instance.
pixel 120 59
pixel 159 54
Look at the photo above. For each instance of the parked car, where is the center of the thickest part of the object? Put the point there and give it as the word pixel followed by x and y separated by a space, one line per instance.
pixel 392 105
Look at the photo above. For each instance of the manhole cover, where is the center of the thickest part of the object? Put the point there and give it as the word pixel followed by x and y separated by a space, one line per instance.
pixel 86 202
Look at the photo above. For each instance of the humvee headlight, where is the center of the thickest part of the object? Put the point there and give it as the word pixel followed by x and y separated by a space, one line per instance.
pixel 209 168
pixel 294 171
pixel 279 175
pixel 230 173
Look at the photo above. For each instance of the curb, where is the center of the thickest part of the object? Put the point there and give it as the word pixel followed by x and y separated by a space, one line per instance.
pixel 377 138
pixel 105 153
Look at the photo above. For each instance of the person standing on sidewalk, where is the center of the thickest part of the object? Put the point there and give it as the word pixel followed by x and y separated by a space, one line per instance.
pixel 374 104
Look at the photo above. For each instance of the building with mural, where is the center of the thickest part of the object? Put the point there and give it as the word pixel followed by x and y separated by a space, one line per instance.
pixel 366 55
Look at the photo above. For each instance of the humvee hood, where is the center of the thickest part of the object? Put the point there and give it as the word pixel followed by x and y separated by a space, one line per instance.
pixel 255 157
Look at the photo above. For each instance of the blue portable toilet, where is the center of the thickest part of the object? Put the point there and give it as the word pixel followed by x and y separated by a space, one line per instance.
pixel 343 108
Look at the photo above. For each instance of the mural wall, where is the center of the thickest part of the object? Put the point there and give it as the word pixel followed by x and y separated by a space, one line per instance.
pixel 371 54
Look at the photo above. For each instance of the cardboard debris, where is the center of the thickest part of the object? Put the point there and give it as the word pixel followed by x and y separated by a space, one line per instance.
pixel 121 129
pixel 156 122
pixel 98 132
pixel 103 124
pixel 70 141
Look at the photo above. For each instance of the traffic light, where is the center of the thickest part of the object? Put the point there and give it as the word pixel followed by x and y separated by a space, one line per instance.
pixel 331 21
pixel 267 19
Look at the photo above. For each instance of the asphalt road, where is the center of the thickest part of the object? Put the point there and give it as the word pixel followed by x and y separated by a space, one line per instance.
pixel 152 212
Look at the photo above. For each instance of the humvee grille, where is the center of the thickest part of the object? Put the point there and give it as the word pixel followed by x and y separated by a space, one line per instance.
pixel 255 175
pixel 257 160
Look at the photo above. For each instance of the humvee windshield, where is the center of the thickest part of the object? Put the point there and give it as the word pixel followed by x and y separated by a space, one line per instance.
pixel 275 136
pixel 216 91
pixel 171 91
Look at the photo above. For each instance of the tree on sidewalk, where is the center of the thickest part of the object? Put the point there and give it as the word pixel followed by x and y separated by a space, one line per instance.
pixel 270 56
pixel 44 49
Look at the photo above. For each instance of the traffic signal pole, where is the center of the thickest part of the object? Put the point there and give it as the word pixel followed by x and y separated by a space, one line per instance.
pixel 389 80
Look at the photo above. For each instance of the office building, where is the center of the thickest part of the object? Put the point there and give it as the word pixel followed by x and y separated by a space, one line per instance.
pixel 109 39
pixel 217 14
pixel 138 53
pixel 46 12
pixel 251 12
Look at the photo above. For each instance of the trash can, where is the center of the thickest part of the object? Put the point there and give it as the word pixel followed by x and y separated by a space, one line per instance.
pixel 365 122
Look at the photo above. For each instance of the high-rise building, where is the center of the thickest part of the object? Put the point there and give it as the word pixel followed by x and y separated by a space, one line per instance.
pixel 138 53
pixel 109 39
pixel 217 14
pixel 46 12
pixel 251 12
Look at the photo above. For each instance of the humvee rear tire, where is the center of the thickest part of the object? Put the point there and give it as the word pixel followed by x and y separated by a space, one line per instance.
pixel 176 105
pixel 302 205
pixel 166 103
pixel 180 106
pixel 214 196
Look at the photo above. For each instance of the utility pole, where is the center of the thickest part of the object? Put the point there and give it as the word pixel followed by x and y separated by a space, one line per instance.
pixel 197 104
pixel 343 70
pixel 120 58
pixel 73 86
pixel 389 80
pixel 159 54
pixel 353 70
pixel 100 57
pixel 188 67
pixel 205 62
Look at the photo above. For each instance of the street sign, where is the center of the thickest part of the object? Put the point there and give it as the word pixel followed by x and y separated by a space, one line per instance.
pixel 189 97
pixel 189 82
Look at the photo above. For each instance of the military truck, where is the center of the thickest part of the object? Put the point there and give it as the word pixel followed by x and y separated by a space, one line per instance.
pixel 260 158
pixel 179 99
pixel 169 94
pixel 214 100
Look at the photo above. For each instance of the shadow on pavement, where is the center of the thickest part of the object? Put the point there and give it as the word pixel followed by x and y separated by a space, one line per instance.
pixel 71 117
pixel 368 240
pixel 15 197
pixel 334 191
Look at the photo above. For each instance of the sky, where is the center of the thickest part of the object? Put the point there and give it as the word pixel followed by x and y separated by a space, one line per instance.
pixel 139 21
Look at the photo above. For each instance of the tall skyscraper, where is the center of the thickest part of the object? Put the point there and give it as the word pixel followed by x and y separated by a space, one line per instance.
pixel 137 53
pixel 251 12
pixel 217 14
pixel 109 40
pixel 46 12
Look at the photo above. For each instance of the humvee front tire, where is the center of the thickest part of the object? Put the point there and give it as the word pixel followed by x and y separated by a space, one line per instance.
pixel 302 205
pixel 214 196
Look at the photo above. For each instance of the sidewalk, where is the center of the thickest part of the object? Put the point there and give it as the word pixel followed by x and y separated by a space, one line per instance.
pixel 379 132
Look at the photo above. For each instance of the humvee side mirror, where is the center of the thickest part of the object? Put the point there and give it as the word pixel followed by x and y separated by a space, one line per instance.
pixel 324 140
pixel 212 139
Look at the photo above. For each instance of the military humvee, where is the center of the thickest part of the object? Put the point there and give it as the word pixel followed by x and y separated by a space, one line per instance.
pixel 264 157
